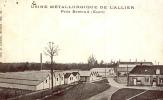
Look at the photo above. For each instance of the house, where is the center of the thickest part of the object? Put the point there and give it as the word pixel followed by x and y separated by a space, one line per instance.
pixel 88 76
pixel 124 67
pixel 58 78
pixel 77 76
pixel 28 80
pixel 69 78
pixel 146 75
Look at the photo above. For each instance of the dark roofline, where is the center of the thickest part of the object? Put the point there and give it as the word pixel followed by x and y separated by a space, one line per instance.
pixel 67 75
pixel 140 69
pixel 135 63
pixel 75 73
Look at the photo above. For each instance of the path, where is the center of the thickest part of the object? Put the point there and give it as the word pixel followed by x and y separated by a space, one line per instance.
pixel 113 83
pixel 106 95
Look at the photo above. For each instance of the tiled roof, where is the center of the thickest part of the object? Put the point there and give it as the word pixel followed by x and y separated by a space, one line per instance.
pixel 147 70
pixel 24 78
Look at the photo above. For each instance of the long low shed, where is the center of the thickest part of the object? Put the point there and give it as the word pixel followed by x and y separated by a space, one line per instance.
pixel 29 80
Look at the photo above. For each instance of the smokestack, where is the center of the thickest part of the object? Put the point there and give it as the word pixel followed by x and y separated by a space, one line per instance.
pixel 41 61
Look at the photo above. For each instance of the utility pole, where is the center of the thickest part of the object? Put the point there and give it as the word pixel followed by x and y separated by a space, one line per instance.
pixel 127 76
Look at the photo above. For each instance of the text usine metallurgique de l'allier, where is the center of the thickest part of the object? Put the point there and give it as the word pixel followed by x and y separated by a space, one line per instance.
pixel 34 5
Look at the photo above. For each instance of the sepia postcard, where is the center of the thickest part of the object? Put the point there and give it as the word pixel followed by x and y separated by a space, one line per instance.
pixel 81 50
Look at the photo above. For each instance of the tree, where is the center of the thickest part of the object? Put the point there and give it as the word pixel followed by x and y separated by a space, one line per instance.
pixel 51 50
pixel 92 61
pixel 102 62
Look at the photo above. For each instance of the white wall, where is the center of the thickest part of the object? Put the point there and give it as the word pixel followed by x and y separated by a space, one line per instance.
pixel 59 80
pixel 70 79
pixel 104 71
pixel 45 84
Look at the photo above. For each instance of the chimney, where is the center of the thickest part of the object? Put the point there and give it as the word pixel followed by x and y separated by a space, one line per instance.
pixel 41 61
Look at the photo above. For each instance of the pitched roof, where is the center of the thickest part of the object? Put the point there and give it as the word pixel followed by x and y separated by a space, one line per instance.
pixel 75 73
pixel 67 75
pixel 58 73
pixel 147 70
pixel 30 78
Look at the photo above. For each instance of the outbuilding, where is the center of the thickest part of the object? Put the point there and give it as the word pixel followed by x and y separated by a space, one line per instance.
pixel 69 78
pixel 76 76
pixel 28 80
pixel 58 78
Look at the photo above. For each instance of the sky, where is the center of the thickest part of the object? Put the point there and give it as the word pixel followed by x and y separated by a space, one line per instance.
pixel 113 35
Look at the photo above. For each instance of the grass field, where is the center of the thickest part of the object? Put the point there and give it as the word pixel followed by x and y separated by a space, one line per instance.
pixel 150 95
pixel 6 93
pixel 81 91
pixel 126 93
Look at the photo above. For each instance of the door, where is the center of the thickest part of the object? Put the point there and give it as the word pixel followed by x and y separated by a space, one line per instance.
pixel 135 81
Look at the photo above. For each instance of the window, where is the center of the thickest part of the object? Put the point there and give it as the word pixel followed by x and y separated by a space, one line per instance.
pixel 57 79
pixel 46 81
pixel 157 71
pixel 146 79
pixel 161 80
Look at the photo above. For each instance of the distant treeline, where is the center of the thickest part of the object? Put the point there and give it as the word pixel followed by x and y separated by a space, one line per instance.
pixel 14 67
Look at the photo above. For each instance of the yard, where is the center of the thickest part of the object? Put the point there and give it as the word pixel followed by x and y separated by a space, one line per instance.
pixel 82 91
pixel 127 93
pixel 6 93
